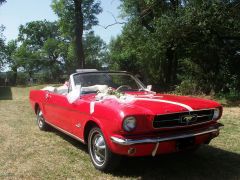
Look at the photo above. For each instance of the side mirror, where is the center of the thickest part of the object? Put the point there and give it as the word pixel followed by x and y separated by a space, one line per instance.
pixel 74 94
pixel 149 87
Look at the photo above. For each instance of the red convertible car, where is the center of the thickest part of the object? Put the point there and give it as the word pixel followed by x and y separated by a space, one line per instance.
pixel 115 114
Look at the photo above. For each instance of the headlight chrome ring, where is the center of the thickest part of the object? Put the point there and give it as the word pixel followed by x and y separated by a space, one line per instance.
pixel 129 123
pixel 216 113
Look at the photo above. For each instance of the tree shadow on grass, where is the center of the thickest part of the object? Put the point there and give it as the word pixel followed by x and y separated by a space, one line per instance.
pixel 5 93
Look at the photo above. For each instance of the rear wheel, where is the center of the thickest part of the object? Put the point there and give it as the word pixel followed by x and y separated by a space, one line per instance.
pixel 43 126
pixel 102 158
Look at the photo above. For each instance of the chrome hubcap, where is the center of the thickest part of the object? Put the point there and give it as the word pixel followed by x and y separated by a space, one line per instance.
pixel 40 119
pixel 98 149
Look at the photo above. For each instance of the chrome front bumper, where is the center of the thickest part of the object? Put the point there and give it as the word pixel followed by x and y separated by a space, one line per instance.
pixel 126 142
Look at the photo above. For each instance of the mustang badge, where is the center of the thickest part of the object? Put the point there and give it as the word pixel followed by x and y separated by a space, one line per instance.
pixel 188 119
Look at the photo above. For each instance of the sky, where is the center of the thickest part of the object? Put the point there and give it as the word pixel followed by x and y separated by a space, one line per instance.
pixel 17 12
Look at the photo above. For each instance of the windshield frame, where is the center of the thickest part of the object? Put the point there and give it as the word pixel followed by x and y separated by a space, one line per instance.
pixel 138 82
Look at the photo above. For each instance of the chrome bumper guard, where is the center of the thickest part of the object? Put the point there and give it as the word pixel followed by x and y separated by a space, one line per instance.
pixel 127 142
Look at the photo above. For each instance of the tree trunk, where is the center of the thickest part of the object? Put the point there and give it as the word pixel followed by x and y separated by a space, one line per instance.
pixel 79 33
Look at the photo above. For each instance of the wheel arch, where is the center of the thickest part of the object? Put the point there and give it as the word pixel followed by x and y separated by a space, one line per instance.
pixel 36 107
pixel 87 128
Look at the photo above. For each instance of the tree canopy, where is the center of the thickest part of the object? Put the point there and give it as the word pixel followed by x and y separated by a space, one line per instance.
pixel 185 45
pixel 192 44
pixel 57 47
pixel 75 17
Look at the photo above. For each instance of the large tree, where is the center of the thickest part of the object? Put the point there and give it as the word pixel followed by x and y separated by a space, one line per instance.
pixel 10 50
pixel 75 17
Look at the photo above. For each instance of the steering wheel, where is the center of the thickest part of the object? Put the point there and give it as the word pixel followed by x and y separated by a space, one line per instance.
pixel 123 87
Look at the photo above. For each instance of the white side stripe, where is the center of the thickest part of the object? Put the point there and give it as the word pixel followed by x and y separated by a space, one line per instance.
pixel 165 101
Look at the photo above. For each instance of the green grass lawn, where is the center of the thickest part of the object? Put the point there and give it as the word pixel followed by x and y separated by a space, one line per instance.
pixel 27 153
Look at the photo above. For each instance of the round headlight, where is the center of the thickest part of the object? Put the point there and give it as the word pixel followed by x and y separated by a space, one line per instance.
pixel 216 113
pixel 129 123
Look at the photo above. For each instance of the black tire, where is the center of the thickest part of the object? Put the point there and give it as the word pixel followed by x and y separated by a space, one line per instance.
pixel 42 125
pixel 102 158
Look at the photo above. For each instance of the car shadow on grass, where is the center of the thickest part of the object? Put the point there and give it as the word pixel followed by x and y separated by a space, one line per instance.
pixel 5 93
pixel 71 140
pixel 207 163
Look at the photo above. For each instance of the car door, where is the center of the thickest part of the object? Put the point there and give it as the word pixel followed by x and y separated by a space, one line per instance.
pixel 55 110
pixel 68 117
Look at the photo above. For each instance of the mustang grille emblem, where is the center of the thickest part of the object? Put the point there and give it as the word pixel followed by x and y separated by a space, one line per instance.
pixel 188 119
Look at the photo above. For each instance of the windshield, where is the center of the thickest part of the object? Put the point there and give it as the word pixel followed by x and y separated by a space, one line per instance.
pixel 121 81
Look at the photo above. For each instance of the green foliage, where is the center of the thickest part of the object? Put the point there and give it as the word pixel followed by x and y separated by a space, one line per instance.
pixel 187 87
pixel 36 33
pixel 75 17
pixel 65 11
pixel 1 47
pixel 95 51
pixel 49 47
pixel 192 44
pixel 10 50
pixel 27 59
pixel 22 79
pixel 42 78
pixel 42 47
pixel 1 41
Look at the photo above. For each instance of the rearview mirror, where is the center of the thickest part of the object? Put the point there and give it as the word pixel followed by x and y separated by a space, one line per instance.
pixel 74 94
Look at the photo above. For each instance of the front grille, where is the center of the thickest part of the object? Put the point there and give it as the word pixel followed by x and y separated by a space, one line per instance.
pixel 183 119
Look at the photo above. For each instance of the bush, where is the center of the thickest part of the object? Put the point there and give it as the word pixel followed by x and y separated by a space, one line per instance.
pixel 187 87
pixel 232 95
pixel 22 79
pixel 42 78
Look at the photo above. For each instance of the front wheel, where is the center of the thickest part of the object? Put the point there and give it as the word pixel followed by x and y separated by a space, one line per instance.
pixel 102 158
pixel 43 126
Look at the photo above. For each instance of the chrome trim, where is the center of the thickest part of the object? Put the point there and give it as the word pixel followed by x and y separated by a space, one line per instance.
pixel 189 112
pixel 186 126
pixel 155 149
pixel 127 142
pixel 204 116
pixel 65 132
pixel 186 111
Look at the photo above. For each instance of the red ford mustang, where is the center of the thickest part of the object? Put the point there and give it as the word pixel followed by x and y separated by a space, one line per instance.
pixel 115 114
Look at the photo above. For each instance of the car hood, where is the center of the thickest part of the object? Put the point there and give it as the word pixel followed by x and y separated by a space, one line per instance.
pixel 162 104
pixel 155 104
